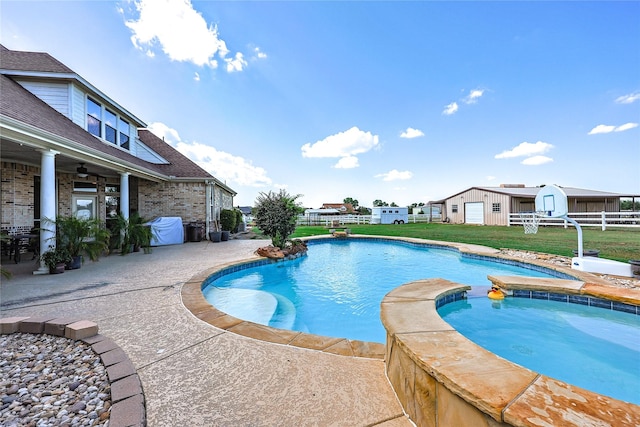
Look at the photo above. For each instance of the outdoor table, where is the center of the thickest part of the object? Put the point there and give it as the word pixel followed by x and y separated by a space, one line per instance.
pixel 15 245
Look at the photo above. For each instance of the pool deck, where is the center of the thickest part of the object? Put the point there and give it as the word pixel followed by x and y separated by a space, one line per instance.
pixel 193 373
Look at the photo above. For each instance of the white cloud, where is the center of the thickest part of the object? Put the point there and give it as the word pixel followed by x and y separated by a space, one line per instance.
pixel 536 160
pixel 411 133
pixel 224 166
pixel 235 64
pixel 259 54
pixel 181 32
pixel 450 109
pixel 629 98
pixel 395 175
pixel 345 144
pixel 625 126
pixel 491 178
pixel 610 128
pixel 473 96
pixel 196 77
pixel 348 162
pixel 525 149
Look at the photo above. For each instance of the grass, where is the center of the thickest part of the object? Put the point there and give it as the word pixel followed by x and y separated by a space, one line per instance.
pixel 617 244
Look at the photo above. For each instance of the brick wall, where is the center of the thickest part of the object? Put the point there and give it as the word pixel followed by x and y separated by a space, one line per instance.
pixel 186 200
pixel 16 194
pixel 150 199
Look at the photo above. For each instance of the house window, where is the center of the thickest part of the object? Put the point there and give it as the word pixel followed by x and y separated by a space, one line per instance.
pixel 123 127
pixel 110 123
pixel 94 118
pixel 112 200
pixel 106 124
pixel 84 187
pixel 454 208
pixel 495 207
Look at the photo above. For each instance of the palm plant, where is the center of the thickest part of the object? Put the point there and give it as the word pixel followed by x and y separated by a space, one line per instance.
pixel 132 233
pixel 82 236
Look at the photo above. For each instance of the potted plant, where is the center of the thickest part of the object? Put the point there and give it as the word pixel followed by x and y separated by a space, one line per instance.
pixel 239 221
pixel 215 235
pixel 227 222
pixel 139 234
pixel 56 259
pixel 81 236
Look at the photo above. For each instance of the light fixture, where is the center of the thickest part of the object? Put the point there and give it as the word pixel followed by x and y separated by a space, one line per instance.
pixel 82 171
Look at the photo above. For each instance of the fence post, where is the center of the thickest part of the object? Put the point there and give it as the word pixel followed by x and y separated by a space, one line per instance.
pixel 604 221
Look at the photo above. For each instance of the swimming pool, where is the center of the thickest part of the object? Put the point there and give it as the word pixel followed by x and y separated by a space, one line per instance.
pixel 591 347
pixel 336 290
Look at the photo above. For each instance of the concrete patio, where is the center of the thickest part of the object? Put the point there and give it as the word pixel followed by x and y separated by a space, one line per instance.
pixel 193 373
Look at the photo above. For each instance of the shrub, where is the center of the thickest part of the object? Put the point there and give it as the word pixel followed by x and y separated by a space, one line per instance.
pixel 275 216
pixel 238 214
pixel 227 219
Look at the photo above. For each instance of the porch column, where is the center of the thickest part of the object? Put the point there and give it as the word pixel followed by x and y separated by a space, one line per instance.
pixel 47 204
pixel 208 206
pixel 124 194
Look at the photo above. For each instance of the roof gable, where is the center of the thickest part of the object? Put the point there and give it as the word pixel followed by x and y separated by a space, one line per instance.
pixel 21 105
pixel 31 61
pixel 179 165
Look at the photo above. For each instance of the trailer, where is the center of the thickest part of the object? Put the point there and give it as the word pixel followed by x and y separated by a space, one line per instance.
pixel 389 215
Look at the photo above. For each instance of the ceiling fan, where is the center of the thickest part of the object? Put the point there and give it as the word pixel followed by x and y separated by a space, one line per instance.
pixel 82 171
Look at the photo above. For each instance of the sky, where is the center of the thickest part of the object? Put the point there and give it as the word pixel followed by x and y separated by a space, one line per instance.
pixel 399 101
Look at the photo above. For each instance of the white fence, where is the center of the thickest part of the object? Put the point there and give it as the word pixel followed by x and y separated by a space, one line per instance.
pixel 328 220
pixel 588 219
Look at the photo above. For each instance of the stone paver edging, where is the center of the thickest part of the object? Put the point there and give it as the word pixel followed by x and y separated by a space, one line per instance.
pixel 194 300
pixel 127 397
pixel 442 378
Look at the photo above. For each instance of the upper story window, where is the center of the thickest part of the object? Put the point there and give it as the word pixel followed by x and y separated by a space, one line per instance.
pixel 94 118
pixel 107 125
pixel 123 127
pixel 110 123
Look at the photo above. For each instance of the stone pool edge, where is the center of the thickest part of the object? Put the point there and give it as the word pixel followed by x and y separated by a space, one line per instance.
pixel 442 378
pixel 193 299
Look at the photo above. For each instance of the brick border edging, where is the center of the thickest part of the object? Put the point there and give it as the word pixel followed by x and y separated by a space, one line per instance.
pixel 127 396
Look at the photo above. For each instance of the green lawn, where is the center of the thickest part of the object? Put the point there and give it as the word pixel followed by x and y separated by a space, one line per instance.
pixel 618 244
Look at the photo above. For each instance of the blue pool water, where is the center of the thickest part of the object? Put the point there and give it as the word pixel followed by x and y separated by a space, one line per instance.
pixel 593 348
pixel 336 290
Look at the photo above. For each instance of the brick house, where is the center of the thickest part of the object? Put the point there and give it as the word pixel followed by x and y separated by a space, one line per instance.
pixel 65 145
pixel 342 208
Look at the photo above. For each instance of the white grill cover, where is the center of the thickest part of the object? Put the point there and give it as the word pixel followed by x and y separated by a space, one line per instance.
pixel 167 230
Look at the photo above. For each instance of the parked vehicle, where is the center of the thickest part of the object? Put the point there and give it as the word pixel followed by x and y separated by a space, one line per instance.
pixel 389 215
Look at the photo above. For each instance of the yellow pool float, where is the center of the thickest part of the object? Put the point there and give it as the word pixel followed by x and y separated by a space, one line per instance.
pixel 495 293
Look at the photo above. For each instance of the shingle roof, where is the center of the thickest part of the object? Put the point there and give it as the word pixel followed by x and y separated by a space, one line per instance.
pixel 30 61
pixel 179 164
pixel 20 104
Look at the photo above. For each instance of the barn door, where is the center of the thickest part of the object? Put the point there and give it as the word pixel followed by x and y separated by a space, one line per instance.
pixel 474 213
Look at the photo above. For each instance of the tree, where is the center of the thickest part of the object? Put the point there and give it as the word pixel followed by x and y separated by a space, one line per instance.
pixel 393 205
pixel 353 202
pixel 379 202
pixel 275 215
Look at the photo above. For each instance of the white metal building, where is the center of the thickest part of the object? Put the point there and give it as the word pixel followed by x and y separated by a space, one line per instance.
pixel 493 205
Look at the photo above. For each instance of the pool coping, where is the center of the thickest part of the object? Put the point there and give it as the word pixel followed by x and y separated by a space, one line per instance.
pixel 443 378
pixel 193 299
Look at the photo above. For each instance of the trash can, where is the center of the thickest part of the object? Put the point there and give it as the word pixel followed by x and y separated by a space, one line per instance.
pixel 195 232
